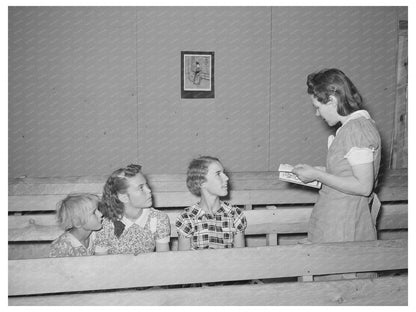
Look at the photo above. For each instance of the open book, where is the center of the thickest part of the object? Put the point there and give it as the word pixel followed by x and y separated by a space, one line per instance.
pixel 285 174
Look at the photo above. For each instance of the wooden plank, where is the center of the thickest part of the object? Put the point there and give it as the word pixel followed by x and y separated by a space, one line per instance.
pixel 399 156
pixel 386 291
pixel 306 278
pixel 271 239
pixel 34 202
pixel 49 202
pixel 393 216
pixel 37 250
pixel 31 250
pixel 387 194
pixel 401 234
pixel 183 199
pixel 239 181
pixel 158 183
pixel 43 227
pixel 392 175
pixel 248 207
pixel 242 175
pixel 172 199
pixel 251 175
pixel 28 251
pixel 92 273
pixel 286 220
pixel 169 195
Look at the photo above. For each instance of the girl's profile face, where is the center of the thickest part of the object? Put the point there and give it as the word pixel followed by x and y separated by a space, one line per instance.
pixel 93 221
pixel 327 112
pixel 216 180
pixel 138 192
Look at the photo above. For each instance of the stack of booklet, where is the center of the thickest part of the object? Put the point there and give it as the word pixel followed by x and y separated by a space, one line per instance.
pixel 285 174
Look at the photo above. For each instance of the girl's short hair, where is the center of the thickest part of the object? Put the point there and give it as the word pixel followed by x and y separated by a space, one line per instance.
pixel 197 171
pixel 110 206
pixel 74 210
pixel 334 82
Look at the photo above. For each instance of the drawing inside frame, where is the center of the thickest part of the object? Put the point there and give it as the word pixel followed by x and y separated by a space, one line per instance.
pixel 197 74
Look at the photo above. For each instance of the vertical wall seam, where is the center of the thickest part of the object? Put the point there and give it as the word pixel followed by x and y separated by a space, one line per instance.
pixel 137 88
pixel 270 85
pixel 392 149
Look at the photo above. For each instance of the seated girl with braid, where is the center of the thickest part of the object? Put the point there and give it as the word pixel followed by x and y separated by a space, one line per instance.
pixel 131 225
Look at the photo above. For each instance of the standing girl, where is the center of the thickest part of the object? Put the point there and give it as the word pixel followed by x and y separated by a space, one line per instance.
pixel 130 224
pixel 210 223
pixel 342 212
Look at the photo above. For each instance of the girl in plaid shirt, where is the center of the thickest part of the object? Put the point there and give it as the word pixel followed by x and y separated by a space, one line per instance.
pixel 210 223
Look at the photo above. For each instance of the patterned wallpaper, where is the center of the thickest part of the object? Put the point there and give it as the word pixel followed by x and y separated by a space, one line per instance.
pixel 95 88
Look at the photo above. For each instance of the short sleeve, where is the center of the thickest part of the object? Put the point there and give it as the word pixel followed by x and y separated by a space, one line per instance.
pixel 60 248
pixel 362 142
pixel 162 234
pixel 359 156
pixel 240 221
pixel 101 237
pixel 184 225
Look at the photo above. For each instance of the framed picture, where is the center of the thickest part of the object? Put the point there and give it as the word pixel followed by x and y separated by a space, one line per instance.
pixel 197 75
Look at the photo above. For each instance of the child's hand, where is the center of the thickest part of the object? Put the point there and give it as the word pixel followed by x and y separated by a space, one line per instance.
pixel 305 173
pixel 100 251
pixel 322 168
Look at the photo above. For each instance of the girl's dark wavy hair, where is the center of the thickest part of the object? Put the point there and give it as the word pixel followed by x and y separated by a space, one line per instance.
pixel 197 171
pixel 110 206
pixel 334 82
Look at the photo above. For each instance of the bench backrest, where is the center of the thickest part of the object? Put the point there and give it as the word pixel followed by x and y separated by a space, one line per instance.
pixel 169 191
pixel 32 202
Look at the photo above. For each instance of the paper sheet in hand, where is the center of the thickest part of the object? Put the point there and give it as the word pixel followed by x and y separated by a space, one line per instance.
pixel 285 174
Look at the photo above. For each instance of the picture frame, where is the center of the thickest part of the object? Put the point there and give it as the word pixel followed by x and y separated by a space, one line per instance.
pixel 197 75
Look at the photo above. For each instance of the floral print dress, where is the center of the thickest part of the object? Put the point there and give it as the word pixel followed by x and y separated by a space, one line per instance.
pixel 67 245
pixel 127 237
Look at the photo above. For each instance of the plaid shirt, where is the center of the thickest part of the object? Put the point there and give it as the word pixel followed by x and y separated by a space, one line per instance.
pixel 211 231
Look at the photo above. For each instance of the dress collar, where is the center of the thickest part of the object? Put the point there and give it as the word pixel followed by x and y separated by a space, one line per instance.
pixel 355 115
pixel 76 243
pixel 141 221
pixel 224 207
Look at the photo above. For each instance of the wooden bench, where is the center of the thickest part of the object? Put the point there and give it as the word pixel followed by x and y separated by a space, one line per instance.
pixel 114 279
pixel 273 209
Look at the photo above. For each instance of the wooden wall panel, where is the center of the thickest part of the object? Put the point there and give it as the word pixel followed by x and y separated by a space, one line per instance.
pixel 92 89
pixel 234 125
pixel 361 41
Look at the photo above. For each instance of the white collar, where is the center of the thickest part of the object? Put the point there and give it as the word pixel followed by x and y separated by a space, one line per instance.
pixel 224 205
pixel 76 243
pixel 357 114
pixel 141 221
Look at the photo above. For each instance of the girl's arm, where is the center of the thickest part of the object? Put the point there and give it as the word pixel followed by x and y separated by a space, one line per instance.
pixel 360 183
pixel 162 247
pixel 240 224
pixel 239 240
pixel 184 243
pixel 162 231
